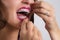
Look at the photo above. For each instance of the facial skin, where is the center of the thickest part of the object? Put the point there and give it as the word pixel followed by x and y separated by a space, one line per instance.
pixel 9 9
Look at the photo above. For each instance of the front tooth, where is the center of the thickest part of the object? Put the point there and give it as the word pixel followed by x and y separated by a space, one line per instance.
pixel 22 17
pixel 24 10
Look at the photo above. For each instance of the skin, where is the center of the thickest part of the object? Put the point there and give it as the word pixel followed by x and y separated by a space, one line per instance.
pixel 8 10
pixel 27 29
pixel 29 33
pixel 51 25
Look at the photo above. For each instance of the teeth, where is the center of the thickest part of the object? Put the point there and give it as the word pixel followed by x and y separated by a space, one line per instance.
pixel 22 17
pixel 24 10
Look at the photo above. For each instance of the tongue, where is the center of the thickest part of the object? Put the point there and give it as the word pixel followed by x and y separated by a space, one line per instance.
pixel 21 17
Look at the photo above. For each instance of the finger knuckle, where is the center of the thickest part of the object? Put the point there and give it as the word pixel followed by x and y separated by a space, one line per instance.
pixel 30 33
pixel 23 32
pixel 35 37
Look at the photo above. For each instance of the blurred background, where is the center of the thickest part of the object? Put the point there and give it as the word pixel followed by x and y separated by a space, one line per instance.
pixel 41 25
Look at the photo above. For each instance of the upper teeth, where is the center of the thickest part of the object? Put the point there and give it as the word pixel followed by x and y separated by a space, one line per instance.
pixel 24 10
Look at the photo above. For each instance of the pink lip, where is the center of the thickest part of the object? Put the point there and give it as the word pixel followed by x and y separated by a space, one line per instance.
pixel 25 8
pixel 21 14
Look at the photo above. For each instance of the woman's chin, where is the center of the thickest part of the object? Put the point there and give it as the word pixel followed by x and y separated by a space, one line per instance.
pixel 14 25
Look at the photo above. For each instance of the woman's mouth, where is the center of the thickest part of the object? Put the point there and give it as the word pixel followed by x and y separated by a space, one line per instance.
pixel 22 13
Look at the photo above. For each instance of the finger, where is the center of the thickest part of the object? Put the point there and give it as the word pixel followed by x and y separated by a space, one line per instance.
pixel 30 29
pixel 23 25
pixel 35 30
pixel 23 29
pixel 46 5
pixel 44 14
pixel 42 4
pixel 39 35
pixel 30 26
pixel 42 11
pixel 35 35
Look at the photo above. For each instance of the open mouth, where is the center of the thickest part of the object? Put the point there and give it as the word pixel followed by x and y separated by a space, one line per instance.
pixel 22 13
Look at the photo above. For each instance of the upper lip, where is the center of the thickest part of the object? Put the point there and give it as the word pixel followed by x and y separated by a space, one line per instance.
pixel 25 8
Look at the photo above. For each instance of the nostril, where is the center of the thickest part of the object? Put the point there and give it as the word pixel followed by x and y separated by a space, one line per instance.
pixel 25 2
pixel 28 1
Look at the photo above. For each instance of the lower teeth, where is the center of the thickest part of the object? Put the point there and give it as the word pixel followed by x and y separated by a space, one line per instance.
pixel 22 17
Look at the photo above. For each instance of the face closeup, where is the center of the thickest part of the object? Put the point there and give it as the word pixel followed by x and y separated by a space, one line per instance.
pixel 14 11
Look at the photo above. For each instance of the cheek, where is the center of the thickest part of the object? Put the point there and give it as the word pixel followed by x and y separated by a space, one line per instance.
pixel 10 3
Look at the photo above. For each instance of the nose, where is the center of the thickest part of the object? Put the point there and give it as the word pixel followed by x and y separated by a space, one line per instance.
pixel 28 1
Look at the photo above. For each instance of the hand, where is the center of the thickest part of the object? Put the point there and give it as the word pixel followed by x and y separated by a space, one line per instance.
pixel 46 12
pixel 29 31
